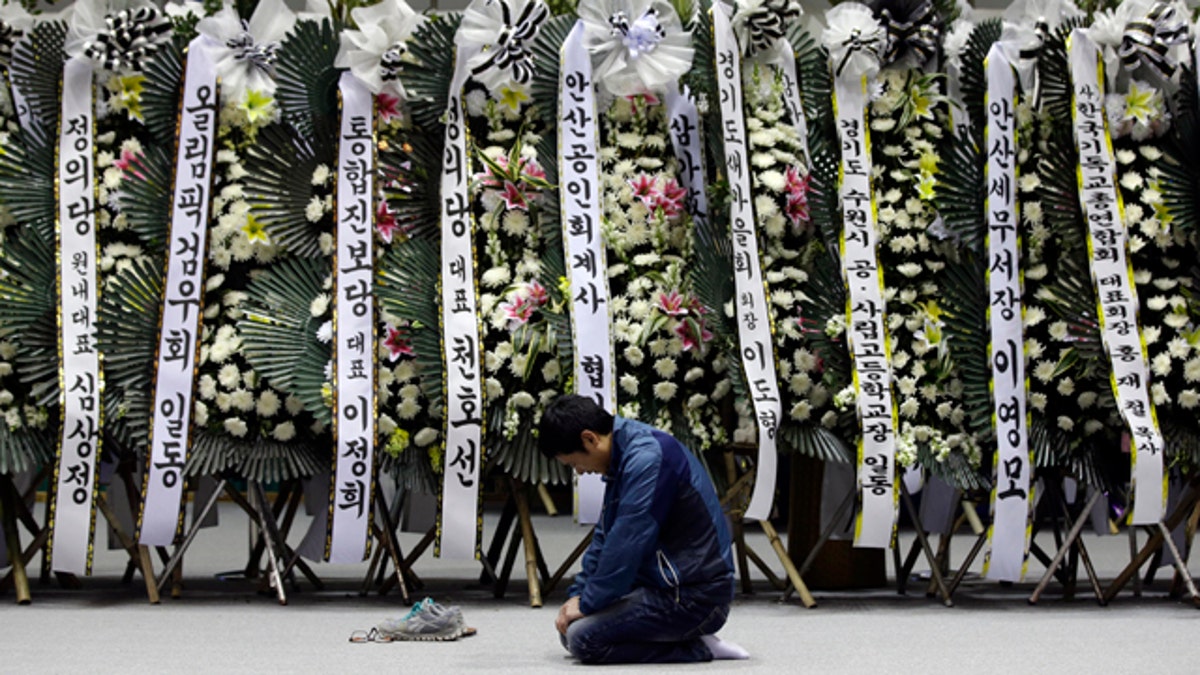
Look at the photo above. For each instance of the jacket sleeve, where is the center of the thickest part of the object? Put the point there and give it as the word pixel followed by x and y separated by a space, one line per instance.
pixel 633 533
pixel 589 560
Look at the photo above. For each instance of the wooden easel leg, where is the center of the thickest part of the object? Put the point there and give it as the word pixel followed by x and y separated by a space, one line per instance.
pixel 1067 545
pixel 547 502
pixel 933 566
pixel 12 539
pixel 580 549
pixel 1084 557
pixel 510 557
pixel 825 535
pixel 496 547
pixel 139 555
pixel 24 558
pixel 793 574
pixel 529 543
pixel 1172 521
pixel 181 549
pixel 1181 570
pixel 386 535
pixel 1189 537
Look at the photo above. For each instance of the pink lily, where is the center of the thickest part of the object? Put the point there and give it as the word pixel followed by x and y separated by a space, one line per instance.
pixel 129 164
pixel 672 304
pixel 396 343
pixel 514 197
pixel 385 222
pixel 519 311
pixel 538 294
pixel 690 341
pixel 645 189
pixel 388 106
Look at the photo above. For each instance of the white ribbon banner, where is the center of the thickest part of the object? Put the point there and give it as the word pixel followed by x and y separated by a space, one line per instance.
pixel 866 330
pixel 791 96
pixel 1008 535
pixel 1118 303
pixel 179 332
pixel 79 379
pixel 353 329
pixel 579 196
pixel 753 313
pixel 459 517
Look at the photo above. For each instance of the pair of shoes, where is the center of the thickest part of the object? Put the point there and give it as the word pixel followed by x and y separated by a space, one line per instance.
pixel 426 621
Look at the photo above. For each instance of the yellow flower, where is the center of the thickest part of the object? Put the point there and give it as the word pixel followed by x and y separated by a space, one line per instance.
pixel 928 162
pixel 255 231
pixel 397 443
pixel 513 97
pixel 926 186
pixel 128 90
pixel 257 106
pixel 932 310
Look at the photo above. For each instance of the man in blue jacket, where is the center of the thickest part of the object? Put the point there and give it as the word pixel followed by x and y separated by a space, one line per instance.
pixel 657 579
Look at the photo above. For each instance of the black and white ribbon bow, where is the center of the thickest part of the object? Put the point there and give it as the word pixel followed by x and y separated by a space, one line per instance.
pixel 917 32
pixel 509 52
pixel 259 55
pixel 1148 41
pixel 767 23
pixel 854 44
pixel 131 39
pixel 391 61
pixel 1042 28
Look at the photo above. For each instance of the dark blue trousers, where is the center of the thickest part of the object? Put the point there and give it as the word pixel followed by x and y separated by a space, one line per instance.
pixel 647 626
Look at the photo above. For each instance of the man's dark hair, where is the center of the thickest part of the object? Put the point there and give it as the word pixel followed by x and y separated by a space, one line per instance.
pixel 566 419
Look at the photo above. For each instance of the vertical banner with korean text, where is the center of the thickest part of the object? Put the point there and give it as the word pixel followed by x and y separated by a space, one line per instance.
pixel 179 332
pixel 460 519
pixel 866 327
pixel 72 514
pixel 753 315
pixel 1009 533
pixel 580 195
pixel 792 97
pixel 1117 297
pixel 354 403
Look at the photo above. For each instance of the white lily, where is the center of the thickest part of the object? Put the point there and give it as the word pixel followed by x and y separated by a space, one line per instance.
pixel 245 51
pixel 637 46
pixel 375 51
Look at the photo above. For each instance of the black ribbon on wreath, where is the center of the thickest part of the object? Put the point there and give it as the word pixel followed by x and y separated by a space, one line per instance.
pixel 131 39
pixel 510 52
pixel 1147 42
pixel 913 28
pixel 767 23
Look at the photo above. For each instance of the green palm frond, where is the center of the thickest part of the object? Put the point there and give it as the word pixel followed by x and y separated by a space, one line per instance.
pixel 547 54
pixel 1054 72
pixel 814 440
pixel 306 75
pixel 160 92
pixel 415 166
pixel 702 77
pixel 27 180
pixel 279 333
pixel 28 309
pixel 1180 165
pixel 955 470
pixel 825 299
pixel 824 205
pixel 974 77
pixel 959 196
pixel 1059 192
pixel 279 182
pixel 965 303
pixel 127 335
pixel 428 84
pixel 24 449
pixel 146 202
pixel 37 70
pixel 407 286
pixel 554 265
pixel 262 460
pixel 816 83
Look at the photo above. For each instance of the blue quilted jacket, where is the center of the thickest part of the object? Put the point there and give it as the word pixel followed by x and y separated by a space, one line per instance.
pixel 661 525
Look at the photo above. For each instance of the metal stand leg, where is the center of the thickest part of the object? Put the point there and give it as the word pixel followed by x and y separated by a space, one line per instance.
pixel 934 568
pixel 182 548
pixel 1182 510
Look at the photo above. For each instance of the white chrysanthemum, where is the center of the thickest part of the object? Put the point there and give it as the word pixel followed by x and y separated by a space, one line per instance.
pixel 268 403
pixel 666 368
pixel 523 399
pixel 293 405
pixel 1044 370
pixel 425 436
pixel 1188 399
pixel 634 355
pixel 319 306
pixel 496 277
pixel 629 384
pixel 284 431
pixel 229 376
pixel 241 399
pixel 236 427
pixel 665 391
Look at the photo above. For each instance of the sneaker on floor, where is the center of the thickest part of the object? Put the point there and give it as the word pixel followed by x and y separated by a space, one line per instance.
pixel 427 621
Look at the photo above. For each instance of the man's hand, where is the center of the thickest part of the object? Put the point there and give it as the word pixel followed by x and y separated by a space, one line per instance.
pixel 567 613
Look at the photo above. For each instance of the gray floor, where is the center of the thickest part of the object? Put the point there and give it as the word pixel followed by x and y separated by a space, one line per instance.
pixel 226 626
